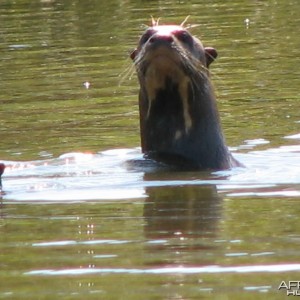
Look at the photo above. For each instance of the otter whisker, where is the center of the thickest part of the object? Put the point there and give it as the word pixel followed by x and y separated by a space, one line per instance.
pixel 138 62
pixel 190 62
pixel 144 26
pixel 154 22
pixel 192 26
pixel 184 21
pixel 126 74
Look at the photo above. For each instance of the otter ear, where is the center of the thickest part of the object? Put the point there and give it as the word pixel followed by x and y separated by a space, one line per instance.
pixel 210 54
pixel 133 54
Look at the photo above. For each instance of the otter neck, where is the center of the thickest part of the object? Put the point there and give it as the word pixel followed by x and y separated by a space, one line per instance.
pixel 180 125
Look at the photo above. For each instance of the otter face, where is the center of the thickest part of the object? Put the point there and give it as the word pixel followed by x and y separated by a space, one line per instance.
pixel 176 38
pixel 169 53
pixel 169 57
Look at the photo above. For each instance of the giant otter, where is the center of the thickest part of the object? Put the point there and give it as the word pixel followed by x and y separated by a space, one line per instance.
pixel 179 120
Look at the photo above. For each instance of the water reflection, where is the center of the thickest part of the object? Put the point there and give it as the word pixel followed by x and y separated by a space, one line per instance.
pixel 181 222
pixel 182 211
pixel 99 224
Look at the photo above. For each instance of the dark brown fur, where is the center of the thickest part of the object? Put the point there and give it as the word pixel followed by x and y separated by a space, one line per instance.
pixel 179 119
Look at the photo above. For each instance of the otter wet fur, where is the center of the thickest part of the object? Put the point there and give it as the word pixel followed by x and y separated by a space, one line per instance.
pixel 179 119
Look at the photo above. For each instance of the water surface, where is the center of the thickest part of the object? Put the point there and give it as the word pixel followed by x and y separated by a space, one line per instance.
pixel 79 221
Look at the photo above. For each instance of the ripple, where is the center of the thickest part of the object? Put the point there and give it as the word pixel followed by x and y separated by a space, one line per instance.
pixel 214 269
pixel 68 243
pixel 294 193
pixel 293 137
pixel 263 288
pixel 108 176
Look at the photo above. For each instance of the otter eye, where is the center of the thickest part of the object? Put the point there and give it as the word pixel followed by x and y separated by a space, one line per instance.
pixel 146 36
pixel 184 37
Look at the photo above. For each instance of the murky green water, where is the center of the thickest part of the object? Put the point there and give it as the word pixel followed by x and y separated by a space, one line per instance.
pixel 77 222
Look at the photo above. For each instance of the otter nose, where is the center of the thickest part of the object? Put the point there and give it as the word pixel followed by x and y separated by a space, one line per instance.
pixel 161 38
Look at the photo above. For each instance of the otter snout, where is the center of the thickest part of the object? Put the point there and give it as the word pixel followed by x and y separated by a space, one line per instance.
pixel 158 38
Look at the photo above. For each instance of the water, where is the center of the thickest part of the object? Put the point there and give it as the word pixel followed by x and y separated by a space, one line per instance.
pixel 79 221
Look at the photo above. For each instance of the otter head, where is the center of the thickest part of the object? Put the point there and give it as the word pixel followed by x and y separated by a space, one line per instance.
pixel 178 39
pixel 178 115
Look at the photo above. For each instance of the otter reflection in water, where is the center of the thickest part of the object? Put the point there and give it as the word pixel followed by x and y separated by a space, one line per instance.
pixel 179 120
pixel 192 211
